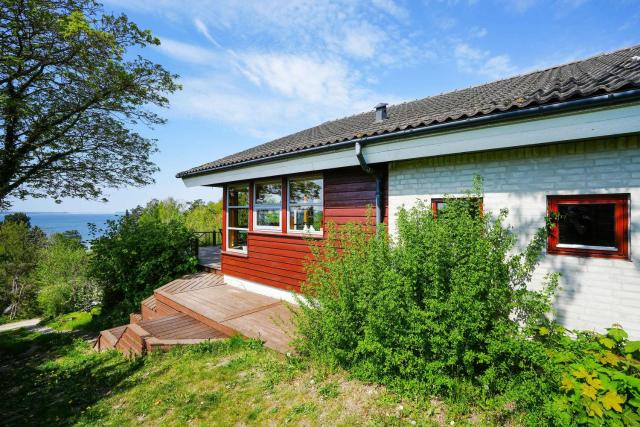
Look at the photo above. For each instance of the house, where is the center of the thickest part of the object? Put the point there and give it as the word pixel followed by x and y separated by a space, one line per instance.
pixel 564 139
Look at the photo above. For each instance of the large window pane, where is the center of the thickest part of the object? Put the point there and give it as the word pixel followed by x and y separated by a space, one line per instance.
pixel 305 218
pixel 237 240
pixel 587 224
pixel 239 195
pixel 305 191
pixel 268 217
pixel 268 194
pixel 238 217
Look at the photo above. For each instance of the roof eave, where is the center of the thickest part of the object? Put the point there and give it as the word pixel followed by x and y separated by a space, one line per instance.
pixel 582 103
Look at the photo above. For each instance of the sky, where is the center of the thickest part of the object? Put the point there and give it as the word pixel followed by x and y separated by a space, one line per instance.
pixel 253 71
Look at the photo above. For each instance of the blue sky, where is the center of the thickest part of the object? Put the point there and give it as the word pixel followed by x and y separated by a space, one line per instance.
pixel 255 70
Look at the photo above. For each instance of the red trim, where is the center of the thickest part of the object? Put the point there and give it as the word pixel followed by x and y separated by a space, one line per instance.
pixel 284 215
pixel 435 201
pixel 234 253
pixel 621 202
pixel 223 245
pixel 251 190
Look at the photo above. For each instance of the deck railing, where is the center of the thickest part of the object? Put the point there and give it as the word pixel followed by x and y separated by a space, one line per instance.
pixel 206 238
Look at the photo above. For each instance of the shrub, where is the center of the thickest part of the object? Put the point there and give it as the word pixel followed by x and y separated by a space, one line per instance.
pixel 443 304
pixel 62 276
pixel 136 254
pixel 19 248
pixel 598 377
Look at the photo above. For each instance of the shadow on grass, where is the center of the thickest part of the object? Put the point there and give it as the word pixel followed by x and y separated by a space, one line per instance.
pixel 50 379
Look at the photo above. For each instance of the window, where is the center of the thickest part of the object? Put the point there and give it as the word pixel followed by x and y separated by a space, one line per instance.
pixel 237 217
pixel 305 205
pixel 267 205
pixel 475 208
pixel 589 225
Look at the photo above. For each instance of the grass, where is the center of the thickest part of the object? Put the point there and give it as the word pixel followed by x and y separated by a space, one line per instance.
pixel 56 379
pixel 73 321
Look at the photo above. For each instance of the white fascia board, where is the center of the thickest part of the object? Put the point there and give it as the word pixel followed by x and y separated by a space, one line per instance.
pixel 566 127
pixel 541 130
pixel 309 163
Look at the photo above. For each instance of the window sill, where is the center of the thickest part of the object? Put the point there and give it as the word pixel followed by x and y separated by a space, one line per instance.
pixel 306 234
pixel 289 234
pixel 234 253
pixel 581 253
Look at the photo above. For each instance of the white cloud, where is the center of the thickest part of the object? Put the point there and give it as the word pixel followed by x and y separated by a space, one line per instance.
pixel 202 29
pixel 304 78
pixel 465 53
pixel 187 52
pixel 482 62
pixel 392 8
pixel 361 41
pixel 478 32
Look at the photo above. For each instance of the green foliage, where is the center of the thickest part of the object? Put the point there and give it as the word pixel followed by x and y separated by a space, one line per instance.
pixel 19 248
pixel 445 309
pixel 137 254
pixel 72 89
pixel 196 215
pixel 436 305
pixel 201 216
pixel 599 377
pixel 78 320
pixel 62 276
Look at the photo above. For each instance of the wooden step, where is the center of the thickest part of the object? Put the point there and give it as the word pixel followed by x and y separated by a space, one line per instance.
pixel 159 334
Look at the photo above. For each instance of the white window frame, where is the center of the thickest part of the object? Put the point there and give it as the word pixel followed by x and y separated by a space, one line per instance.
pixel 257 207
pixel 237 207
pixel 321 204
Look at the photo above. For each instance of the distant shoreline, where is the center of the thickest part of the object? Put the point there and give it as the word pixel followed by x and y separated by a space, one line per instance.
pixel 59 222
pixel 61 213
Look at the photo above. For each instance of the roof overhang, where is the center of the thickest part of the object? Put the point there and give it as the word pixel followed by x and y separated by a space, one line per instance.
pixel 513 131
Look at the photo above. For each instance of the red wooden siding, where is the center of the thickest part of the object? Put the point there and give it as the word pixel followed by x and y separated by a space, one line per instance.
pixel 276 259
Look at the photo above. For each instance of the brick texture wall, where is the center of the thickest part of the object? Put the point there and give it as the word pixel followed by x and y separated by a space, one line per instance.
pixel 595 292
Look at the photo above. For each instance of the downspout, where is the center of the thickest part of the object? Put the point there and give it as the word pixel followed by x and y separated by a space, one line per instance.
pixel 371 171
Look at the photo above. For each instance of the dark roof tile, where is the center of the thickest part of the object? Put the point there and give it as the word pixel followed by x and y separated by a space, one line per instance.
pixel 605 73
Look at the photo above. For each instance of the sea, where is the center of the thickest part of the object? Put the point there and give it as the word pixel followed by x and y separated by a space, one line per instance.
pixel 57 222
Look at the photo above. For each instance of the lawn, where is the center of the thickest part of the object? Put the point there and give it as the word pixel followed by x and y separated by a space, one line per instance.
pixel 56 379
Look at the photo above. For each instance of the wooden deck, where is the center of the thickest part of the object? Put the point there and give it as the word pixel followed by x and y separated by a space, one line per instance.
pixel 200 307
pixel 208 299
pixel 209 258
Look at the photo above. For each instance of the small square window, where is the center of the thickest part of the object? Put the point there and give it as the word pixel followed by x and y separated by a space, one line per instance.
pixel 475 205
pixel 589 225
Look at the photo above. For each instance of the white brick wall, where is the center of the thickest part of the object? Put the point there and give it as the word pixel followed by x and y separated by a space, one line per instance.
pixel 595 292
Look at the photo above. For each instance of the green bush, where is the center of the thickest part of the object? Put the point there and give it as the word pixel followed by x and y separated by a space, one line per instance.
pixel 598 377
pixel 138 253
pixel 20 245
pixel 445 309
pixel 443 305
pixel 62 276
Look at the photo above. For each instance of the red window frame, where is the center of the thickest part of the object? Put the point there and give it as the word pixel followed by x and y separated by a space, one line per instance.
pixel 435 201
pixel 621 213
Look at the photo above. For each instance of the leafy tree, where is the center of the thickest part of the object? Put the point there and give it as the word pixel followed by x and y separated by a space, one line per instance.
pixel 137 254
pixel 62 276
pixel 19 247
pixel 201 216
pixel 70 89
pixel 17 217
pixel 164 211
